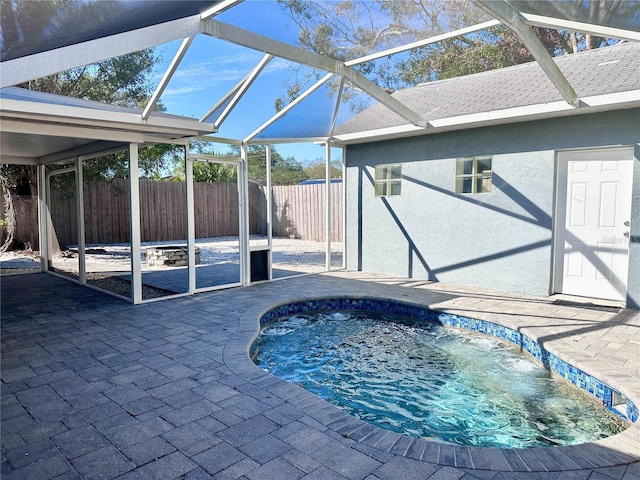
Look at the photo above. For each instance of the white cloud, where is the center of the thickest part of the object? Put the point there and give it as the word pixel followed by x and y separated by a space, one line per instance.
pixel 278 65
pixel 208 75
pixel 218 70
pixel 183 90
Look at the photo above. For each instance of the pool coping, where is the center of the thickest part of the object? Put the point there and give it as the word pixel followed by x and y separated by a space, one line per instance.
pixel 620 449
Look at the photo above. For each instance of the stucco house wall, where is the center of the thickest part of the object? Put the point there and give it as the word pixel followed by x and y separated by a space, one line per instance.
pixel 501 240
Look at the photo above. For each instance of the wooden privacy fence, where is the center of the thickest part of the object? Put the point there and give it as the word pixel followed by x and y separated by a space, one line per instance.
pixel 298 211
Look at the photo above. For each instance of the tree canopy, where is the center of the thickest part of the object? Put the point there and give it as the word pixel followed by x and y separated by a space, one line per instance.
pixel 284 170
pixel 347 29
pixel 121 81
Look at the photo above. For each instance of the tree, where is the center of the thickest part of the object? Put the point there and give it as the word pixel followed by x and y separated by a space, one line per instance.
pixel 121 81
pixel 210 172
pixel 12 178
pixel 346 30
pixel 284 170
pixel 317 169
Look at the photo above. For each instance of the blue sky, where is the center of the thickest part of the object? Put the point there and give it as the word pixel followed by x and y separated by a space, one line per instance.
pixel 212 67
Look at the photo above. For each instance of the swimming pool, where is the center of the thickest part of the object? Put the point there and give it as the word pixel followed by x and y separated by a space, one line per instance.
pixel 362 369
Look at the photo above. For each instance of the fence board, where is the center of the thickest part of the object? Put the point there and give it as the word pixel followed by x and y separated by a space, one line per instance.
pixel 298 211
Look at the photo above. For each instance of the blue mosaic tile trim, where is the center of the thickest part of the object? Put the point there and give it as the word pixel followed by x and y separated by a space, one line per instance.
pixel 632 411
pixel 370 305
pixel 555 364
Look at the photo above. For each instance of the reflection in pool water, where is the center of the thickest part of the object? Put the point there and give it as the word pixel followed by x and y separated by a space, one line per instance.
pixel 428 381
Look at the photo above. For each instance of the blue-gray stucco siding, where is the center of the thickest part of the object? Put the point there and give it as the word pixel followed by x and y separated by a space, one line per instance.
pixel 501 240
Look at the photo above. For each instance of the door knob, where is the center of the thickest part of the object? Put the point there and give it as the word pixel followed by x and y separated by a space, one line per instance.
pixel 626 234
pixel 626 224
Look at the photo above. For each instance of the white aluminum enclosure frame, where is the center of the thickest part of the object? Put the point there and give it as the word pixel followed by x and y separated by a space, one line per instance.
pixel 327 205
pixel 89 133
pixel 40 64
pixel 46 227
pixel 48 239
pixel 164 81
pixel 243 184
pixel 243 208
pixel 269 212
pixel 76 169
pixel 134 225
pixel 241 89
pixel 191 232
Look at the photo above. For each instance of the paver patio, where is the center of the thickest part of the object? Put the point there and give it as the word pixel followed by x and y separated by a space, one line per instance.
pixel 93 387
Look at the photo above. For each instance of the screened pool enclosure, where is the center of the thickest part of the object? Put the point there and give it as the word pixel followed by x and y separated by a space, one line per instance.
pixel 66 137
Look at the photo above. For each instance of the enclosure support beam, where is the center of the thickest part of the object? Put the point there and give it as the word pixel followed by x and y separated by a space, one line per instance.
pixel 168 74
pixel 255 41
pixel 134 225
pixel 49 220
pixel 43 216
pixel 239 93
pixel 80 213
pixel 93 51
pixel 243 188
pixel 327 205
pixel 291 105
pixel 344 207
pixel 572 26
pixel 424 42
pixel 269 212
pixel 510 17
pixel 191 222
pixel 336 109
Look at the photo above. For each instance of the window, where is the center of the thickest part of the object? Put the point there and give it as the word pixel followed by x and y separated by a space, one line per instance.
pixel 388 180
pixel 473 175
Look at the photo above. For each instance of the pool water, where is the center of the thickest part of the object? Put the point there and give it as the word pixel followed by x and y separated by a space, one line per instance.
pixel 432 382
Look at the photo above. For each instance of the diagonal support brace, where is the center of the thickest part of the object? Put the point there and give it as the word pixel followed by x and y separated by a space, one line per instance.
pixel 280 49
pixel 510 17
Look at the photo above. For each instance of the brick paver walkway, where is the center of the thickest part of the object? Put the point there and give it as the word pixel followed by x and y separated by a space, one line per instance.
pixel 93 387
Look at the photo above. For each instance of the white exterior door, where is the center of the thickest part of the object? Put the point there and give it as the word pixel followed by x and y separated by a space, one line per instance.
pixel 594 210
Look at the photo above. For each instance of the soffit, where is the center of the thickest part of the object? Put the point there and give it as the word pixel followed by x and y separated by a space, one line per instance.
pixel 36 124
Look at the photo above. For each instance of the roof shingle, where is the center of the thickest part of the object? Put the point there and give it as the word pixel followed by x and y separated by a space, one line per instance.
pixel 596 72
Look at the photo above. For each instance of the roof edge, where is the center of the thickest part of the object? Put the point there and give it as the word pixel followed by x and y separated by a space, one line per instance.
pixel 74 114
pixel 594 104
